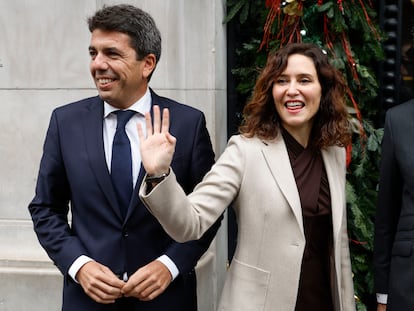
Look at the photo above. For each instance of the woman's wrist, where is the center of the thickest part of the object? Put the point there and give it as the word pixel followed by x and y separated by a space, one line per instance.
pixel 155 178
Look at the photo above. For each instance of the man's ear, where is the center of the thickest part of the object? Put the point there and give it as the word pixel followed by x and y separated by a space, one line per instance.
pixel 150 62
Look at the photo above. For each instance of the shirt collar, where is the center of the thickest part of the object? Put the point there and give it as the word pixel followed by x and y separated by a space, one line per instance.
pixel 142 106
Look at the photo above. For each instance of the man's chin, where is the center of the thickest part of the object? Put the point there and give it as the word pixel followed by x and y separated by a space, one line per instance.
pixel 105 98
pixel 104 95
pixel 110 100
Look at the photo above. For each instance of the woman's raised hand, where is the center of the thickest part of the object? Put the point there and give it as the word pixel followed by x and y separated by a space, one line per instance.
pixel 157 149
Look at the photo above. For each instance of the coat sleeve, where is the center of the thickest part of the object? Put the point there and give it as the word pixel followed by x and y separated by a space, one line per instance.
pixel 186 255
pixel 188 217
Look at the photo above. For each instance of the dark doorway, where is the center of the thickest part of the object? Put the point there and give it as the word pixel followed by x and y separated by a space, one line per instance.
pixel 397 71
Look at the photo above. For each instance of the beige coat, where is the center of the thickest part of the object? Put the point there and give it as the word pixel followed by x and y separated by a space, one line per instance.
pixel 257 177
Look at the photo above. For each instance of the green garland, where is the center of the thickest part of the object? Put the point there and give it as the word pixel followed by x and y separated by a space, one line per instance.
pixel 348 30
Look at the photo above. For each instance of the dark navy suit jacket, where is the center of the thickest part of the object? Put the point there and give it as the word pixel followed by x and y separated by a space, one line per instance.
pixel 394 225
pixel 73 172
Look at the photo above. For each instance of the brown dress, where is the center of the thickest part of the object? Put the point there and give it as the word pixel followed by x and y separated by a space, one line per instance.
pixel 315 284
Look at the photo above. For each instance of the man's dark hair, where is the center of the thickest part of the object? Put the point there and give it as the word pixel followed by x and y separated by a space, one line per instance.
pixel 139 25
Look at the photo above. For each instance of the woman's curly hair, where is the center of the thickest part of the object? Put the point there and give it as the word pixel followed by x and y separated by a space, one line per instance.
pixel 331 125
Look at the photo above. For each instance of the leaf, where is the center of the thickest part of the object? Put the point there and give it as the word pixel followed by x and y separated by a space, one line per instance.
pixel 244 13
pixel 324 7
pixel 234 10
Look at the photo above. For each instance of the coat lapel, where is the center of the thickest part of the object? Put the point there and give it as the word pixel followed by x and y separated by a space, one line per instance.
pixel 92 122
pixel 282 173
pixel 336 189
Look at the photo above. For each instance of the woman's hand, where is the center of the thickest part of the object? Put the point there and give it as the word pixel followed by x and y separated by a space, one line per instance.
pixel 157 149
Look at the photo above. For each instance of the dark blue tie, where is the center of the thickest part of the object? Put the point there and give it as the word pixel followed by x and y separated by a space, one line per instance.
pixel 121 163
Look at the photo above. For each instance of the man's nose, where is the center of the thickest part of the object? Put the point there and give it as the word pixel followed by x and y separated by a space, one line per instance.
pixel 99 62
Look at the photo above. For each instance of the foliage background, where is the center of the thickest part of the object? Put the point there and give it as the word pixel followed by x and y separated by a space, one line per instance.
pixel 349 32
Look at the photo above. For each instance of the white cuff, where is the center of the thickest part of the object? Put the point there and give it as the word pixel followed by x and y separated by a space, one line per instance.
pixel 382 298
pixel 77 264
pixel 170 265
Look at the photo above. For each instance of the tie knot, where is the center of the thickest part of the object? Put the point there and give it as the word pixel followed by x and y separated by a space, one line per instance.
pixel 122 117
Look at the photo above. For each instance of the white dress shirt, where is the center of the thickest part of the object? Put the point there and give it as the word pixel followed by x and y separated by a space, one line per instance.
pixel 382 298
pixel 142 106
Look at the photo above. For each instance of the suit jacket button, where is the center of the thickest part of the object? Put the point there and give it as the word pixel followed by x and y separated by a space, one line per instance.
pixel 125 233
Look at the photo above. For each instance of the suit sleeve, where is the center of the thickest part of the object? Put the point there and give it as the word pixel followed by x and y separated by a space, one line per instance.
pixel 388 208
pixel 186 255
pixel 50 205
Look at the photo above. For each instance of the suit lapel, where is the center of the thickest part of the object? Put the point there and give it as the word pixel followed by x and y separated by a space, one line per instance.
pixel 162 103
pixel 277 159
pixel 135 201
pixel 92 122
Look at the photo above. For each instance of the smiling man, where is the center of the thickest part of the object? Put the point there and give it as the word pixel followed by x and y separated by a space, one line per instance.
pixel 115 255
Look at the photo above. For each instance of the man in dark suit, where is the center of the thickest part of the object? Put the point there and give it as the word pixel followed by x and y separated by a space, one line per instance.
pixel 394 225
pixel 114 254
